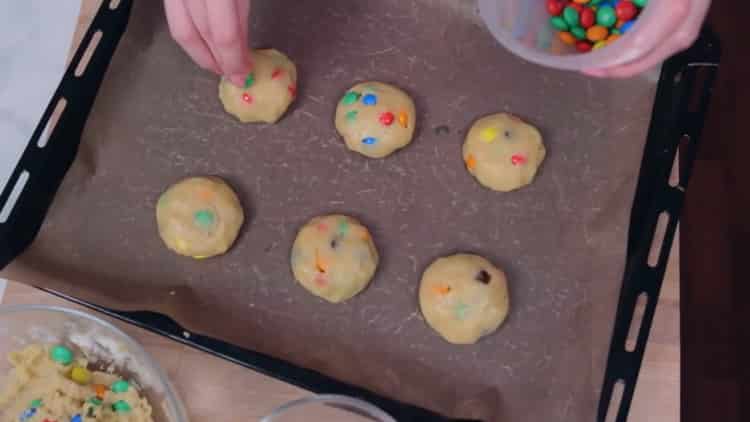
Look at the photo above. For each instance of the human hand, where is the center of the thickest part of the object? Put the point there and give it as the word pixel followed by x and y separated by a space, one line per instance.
pixel 214 33
pixel 678 25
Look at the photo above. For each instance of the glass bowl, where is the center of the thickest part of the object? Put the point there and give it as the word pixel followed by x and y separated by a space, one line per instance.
pixel 100 342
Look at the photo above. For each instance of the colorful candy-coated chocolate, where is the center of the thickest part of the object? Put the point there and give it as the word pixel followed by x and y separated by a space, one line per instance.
pixel 598 45
pixel 575 6
pixel 204 218
pixel 276 73
pixel 567 37
pixel 249 80
pixel 61 354
pixel 247 98
pixel 583 46
pixel 121 406
pixel 626 27
pixel 581 1
pixel 27 414
pixel 605 16
pixel 350 98
pixel 35 403
pixel 76 418
pixel 578 32
pixel 292 90
pixel 387 118
pixel 100 390
pixel 119 386
pixel 488 135
pixel 403 119
pixel 559 23
pixel 597 33
pixel 555 7
pixel 570 14
pixel 518 159
pixel 640 3
pixel 370 99
pixel 471 162
pixel 612 37
pixel 80 375
pixel 625 10
pixel 351 115
pixel 369 140
pixel 96 401
pixel 587 18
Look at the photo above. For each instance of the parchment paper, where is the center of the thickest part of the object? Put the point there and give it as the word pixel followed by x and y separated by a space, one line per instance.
pixel 561 240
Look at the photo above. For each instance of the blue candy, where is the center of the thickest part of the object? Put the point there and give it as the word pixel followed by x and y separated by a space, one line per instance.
pixel 27 414
pixel 369 140
pixel 76 418
pixel 369 99
pixel 626 27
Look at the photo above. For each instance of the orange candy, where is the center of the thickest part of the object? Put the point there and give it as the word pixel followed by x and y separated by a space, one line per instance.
pixel 597 33
pixel 581 1
pixel 471 162
pixel 442 290
pixel 100 390
pixel 403 119
pixel 612 37
pixel 567 37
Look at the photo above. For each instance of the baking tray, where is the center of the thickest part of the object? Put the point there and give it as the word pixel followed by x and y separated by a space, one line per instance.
pixel 680 104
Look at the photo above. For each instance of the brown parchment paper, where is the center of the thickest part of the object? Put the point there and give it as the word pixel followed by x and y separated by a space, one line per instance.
pixel 561 240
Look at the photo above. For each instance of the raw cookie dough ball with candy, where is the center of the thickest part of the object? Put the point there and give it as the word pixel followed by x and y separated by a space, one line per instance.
pixel 269 89
pixel 502 152
pixel 199 217
pixel 334 257
pixel 463 297
pixel 375 119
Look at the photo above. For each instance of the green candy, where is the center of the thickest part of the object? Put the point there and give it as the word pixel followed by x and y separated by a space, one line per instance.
pixel 204 218
pixel 594 2
pixel 249 80
pixel 570 15
pixel 640 3
pixel 120 386
pixel 96 401
pixel 352 115
pixel 351 97
pixel 61 354
pixel 121 406
pixel 578 32
pixel 559 23
pixel 343 226
pixel 36 403
pixel 616 31
pixel 606 16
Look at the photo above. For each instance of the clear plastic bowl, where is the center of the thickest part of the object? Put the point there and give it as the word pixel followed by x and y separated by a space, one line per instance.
pixel 522 26
pixel 328 407
pixel 100 341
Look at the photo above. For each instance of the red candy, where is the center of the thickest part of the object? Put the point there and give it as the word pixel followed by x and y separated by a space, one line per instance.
pixel 387 118
pixel 276 73
pixel 583 46
pixel 517 159
pixel 293 90
pixel 555 7
pixel 576 6
pixel 587 18
pixel 625 10
pixel 247 98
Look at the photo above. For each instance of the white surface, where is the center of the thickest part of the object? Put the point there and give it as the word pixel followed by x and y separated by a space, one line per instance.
pixel 35 36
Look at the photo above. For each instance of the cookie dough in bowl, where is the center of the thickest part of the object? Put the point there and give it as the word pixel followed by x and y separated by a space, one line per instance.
pixel 270 87
pixel 463 297
pixel 199 217
pixel 503 152
pixel 375 119
pixel 50 383
pixel 334 257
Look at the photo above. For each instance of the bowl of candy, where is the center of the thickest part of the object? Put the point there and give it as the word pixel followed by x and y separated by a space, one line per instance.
pixel 61 365
pixel 573 34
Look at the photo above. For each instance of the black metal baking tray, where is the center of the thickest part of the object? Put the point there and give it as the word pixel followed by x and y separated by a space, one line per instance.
pixel 679 110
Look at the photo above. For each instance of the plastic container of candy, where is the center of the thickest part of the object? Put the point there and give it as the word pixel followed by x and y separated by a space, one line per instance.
pixel 103 344
pixel 523 27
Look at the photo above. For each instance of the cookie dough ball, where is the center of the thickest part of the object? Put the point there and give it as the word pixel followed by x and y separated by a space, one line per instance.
pixel 463 297
pixel 334 257
pixel 199 217
pixel 269 89
pixel 375 119
pixel 502 152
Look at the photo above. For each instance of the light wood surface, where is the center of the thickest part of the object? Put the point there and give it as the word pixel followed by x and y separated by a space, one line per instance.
pixel 214 389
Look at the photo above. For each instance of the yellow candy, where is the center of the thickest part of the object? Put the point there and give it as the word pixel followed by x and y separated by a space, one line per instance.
pixel 403 119
pixel 80 375
pixel 488 134
pixel 599 44
pixel 200 257
pixel 181 244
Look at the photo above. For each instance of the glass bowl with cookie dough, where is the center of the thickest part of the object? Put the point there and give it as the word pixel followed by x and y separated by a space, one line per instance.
pixel 63 365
